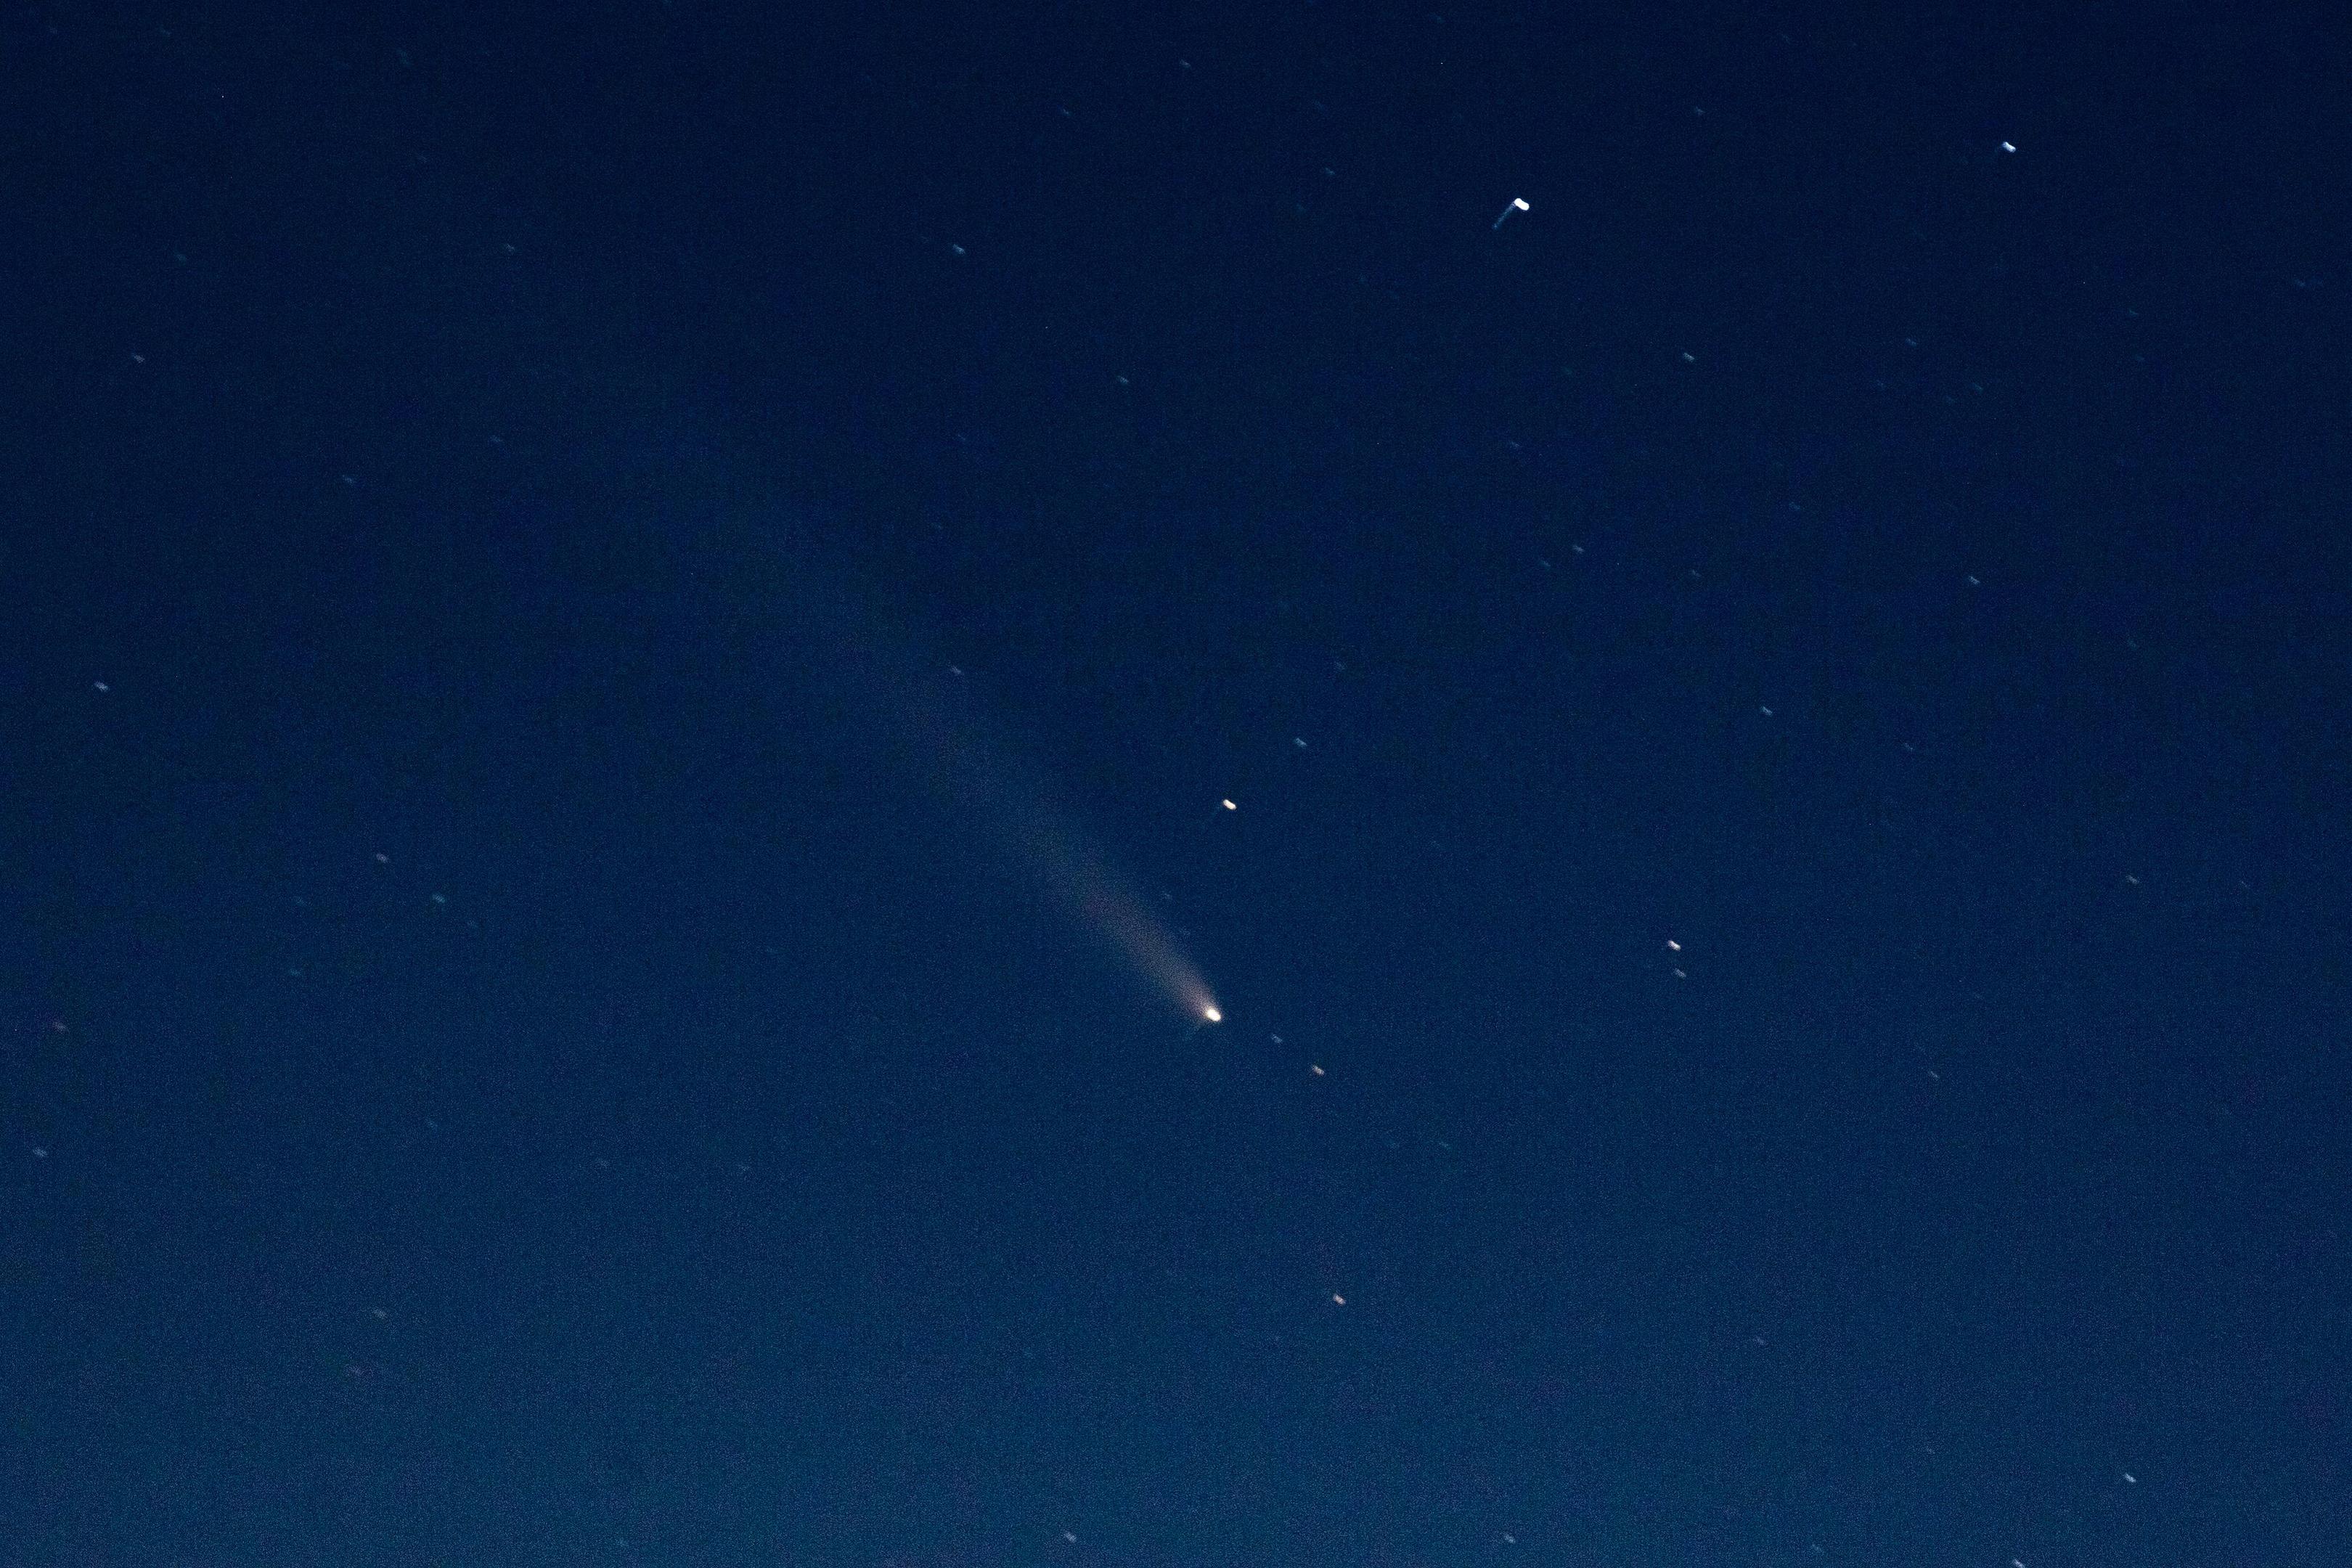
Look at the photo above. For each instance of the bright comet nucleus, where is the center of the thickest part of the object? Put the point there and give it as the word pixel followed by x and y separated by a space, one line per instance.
pixel 1209 1014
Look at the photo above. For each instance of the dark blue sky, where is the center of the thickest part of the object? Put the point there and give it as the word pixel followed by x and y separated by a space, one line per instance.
pixel 598 602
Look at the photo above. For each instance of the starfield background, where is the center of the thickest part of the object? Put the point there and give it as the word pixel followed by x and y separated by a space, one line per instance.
pixel 625 624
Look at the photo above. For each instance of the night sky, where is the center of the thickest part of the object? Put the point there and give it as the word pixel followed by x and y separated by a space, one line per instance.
pixel 658 657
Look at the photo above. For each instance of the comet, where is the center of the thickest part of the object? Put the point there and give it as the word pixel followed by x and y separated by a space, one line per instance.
pixel 924 707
